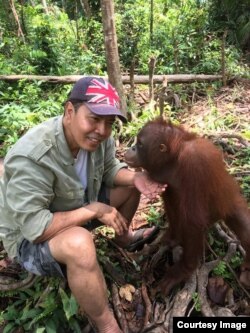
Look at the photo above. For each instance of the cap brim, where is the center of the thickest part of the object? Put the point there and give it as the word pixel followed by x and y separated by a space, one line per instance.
pixel 106 110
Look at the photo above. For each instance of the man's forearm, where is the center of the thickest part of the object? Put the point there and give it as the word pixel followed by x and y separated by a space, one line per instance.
pixel 124 177
pixel 65 220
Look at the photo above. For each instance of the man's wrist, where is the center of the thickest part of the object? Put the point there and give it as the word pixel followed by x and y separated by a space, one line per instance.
pixel 95 207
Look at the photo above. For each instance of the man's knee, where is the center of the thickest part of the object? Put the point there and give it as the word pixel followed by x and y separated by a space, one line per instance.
pixel 79 239
pixel 75 245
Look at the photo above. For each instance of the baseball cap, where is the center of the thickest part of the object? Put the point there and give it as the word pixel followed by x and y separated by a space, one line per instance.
pixel 100 96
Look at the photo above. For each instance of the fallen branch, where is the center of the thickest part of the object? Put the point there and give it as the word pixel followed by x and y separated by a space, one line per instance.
pixel 118 308
pixel 138 79
pixel 148 304
pixel 26 283
pixel 222 135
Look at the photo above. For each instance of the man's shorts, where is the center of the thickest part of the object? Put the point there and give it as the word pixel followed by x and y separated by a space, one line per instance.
pixel 37 258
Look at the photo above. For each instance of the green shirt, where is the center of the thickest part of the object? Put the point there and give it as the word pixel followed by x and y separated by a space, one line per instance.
pixel 39 179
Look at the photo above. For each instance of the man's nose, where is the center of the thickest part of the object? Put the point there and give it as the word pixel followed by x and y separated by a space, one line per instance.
pixel 102 128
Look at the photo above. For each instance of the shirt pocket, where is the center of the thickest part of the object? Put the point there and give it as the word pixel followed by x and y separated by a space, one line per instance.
pixel 68 199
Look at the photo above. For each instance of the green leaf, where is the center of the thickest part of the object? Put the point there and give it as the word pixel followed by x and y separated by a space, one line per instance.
pixel 70 305
pixel 74 325
pixel 51 327
pixel 30 314
pixel 11 313
pixel 9 327
pixel 40 330
pixel 246 135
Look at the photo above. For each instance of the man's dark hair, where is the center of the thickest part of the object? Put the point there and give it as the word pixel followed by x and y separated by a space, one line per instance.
pixel 77 103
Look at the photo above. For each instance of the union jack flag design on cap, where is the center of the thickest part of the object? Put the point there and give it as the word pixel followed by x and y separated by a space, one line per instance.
pixel 99 95
pixel 102 92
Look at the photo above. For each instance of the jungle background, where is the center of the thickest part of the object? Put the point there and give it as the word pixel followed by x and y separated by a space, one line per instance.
pixel 62 38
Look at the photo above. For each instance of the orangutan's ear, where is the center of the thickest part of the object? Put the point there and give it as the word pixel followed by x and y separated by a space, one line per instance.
pixel 163 148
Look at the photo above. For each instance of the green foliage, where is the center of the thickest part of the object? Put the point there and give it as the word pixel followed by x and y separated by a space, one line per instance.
pixel 184 39
pixel 222 270
pixel 246 187
pixel 132 31
pixel 24 105
pixel 70 306
pixel 242 162
pixel 220 248
pixel 234 17
pixel 181 34
pixel 154 217
pixel 197 302
pixel 131 129
pixel 53 45
pixel 45 307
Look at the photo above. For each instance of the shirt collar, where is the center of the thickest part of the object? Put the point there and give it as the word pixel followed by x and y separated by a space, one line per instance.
pixel 62 144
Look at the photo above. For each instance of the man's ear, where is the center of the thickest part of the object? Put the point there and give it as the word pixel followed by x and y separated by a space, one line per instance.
pixel 68 110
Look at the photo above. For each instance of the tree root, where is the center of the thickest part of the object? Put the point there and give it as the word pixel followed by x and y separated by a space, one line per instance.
pixel 192 299
pixel 8 284
pixel 10 274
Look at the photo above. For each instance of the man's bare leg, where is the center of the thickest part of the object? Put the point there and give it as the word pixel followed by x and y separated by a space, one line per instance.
pixel 75 248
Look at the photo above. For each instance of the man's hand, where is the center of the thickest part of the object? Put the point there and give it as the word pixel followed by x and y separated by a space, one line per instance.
pixel 109 216
pixel 147 186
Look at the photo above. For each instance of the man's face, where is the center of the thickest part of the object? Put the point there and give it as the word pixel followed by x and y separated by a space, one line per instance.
pixel 84 129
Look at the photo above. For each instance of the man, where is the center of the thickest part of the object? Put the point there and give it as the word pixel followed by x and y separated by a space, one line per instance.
pixel 61 180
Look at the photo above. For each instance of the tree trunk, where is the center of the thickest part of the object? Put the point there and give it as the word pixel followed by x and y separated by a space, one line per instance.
pixel 111 47
pixel 132 81
pixel 19 28
pixel 45 7
pixel 151 69
pixel 151 22
pixel 223 60
pixel 86 7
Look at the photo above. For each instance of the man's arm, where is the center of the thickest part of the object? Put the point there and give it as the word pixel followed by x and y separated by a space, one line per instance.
pixel 141 181
pixel 78 217
pixel 125 177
